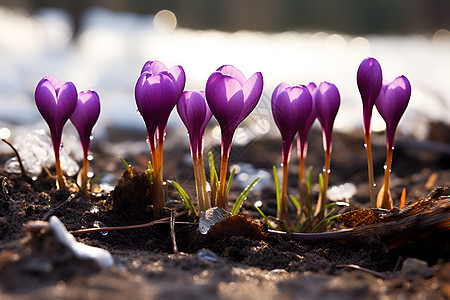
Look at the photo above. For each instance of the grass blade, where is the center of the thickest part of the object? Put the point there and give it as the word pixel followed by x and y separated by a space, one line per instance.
pixel 230 179
pixel 242 196
pixel 294 201
pixel 183 195
pixel 277 188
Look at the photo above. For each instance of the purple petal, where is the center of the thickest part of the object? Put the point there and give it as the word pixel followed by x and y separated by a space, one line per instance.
pixel 85 116
pixel 391 104
pixel 311 87
pixel 156 96
pixel 327 101
pixel 233 72
pixel 369 78
pixel 252 92
pixel 179 78
pixel 153 67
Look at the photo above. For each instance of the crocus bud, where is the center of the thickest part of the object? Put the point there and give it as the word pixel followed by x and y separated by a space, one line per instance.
pixel 303 131
pixel 56 101
pixel 157 92
pixel 391 104
pixel 231 98
pixel 195 114
pixel 85 116
pixel 369 79
pixel 326 101
pixel 291 108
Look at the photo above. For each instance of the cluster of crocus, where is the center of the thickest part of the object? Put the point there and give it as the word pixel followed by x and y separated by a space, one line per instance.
pixel 231 98
pixel 195 114
pixel 57 101
pixel 291 108
pixel 157 91
pixel 294 109
pixel 391 100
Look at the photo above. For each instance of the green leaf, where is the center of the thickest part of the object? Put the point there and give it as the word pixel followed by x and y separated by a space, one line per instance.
pixel 277 188
pixel 242 196
pixel 308 180
pixel 295 201
pixel 127 166
pixel 230 179
pixel 183 195
pixel 325 219
pixel 321 182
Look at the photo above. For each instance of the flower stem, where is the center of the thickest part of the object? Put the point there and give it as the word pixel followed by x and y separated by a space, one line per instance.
pixel 373 200
pixel 282 213
pixel 384 199
pixel 222 193
pixel 60 183
pixel 201 168
pixel 198 188
pixel 157 192
pixel 83 173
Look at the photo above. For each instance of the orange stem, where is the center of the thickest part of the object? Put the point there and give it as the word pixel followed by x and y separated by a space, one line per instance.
pixel 60 183
pixel 373 200
pixel 222 194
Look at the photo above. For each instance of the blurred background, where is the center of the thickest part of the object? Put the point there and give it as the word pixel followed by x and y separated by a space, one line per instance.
pixel 102 45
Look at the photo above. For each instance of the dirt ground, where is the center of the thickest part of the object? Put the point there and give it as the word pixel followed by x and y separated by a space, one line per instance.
pixel 242 261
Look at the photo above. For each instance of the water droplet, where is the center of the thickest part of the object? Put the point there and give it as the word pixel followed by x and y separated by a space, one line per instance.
pixel 91 137
pixel 392 148
pixel 258 203
pixel 206 254
pixel 281 164
pixel 146 140
pixel 326 171
pixel 210 217
pixel 94 210
pixel 99 224
pixel 90 157
pixel 374 184
pixel 365 145
pixel 90 173
pixel 385 167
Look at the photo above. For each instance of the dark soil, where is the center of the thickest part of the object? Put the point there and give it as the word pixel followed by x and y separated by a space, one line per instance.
pixel 246 260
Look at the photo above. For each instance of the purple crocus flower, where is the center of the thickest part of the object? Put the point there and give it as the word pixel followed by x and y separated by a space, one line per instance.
pixel 327 101
pixel 157 92
pixel 56 101
pixel 291 108
pixel 85 116
pixel 195 114
pixel 231 98
pixel 391 104
pixel 369 79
